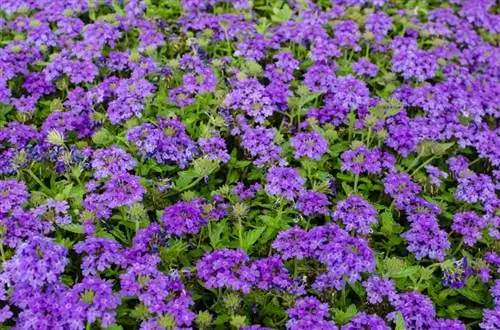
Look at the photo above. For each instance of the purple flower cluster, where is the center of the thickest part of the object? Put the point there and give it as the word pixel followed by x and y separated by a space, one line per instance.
pixel 226 268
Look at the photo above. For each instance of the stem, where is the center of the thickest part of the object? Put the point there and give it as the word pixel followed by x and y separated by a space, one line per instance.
pixel 458 247
pixel 33 175
pixel 240 232
pixel 422 165
pixel 356 179
pixel 2 252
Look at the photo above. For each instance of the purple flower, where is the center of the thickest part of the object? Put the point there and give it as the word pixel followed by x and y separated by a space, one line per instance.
pixel 227 268
pixel 167 143
pixel 54 211
pixel 445 324
pixel 311 203
pixel 378 288
pixel 362 159
pixel 417 310
pixel 184 217
pixel 272 274
pixel 13 194
pixel 246 193
pixel 101 253
pixel 364 321
pixel 284 182
pixel 215 148
pixel 426 239
pixel 356 214
pixel 469 224
pixel 378 23
pixel 364 67
pixel 292 243
pixel 110 161
pixel 37 262
pixel 309 313
pixel 491 319
pixel 252 97
pixel 123 189
pixel 435 174
pixel 258 142
pixel 311 145
pixel 92 299
pixel 345 257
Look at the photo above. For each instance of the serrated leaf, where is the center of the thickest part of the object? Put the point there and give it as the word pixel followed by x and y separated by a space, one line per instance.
pixel 472 295
pixel 73 227
pixel 282 15
pixel 472 313
pixel 251 237
pixel 407 272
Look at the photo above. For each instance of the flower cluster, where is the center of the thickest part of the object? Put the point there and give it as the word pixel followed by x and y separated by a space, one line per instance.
pixel 204 164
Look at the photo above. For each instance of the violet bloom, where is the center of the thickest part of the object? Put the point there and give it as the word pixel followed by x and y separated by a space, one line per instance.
pixel 417 310
pixel 356 214
pixel 345 257
pixel 258 142
pixel 361 159
pixel 184 217
pixel 227 268
pixel 215 148
pixel 426 239
pixel 37 262
pixel 491 319
pixel 100 254
pixel 93 299
pixel 311 203
pixel 284 182
pixel 377 288
pixel 311 145
pixel 54 211
pixel 293 243
pixel 378 24
pixel 364 67
pixel 167 143
pixel 13 193
pixel 445 324
pixel 253 98
pixel 246 193
pixel 309 313
pixel 110 161
pixel 469 224
pixel 364 321
pixel 272 274
pixel 435 174
pixel 123 189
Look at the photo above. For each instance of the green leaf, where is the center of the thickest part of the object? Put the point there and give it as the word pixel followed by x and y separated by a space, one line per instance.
pixel 389 226
pixel 407 272
pixel 282 15
pixel 102 137
pixel 400 323
pixel 73 227
pixel 343 317
pixel 473 295
pixel 472 313
pixel 251 237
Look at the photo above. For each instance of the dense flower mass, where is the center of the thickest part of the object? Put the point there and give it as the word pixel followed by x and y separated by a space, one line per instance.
pixel 216 164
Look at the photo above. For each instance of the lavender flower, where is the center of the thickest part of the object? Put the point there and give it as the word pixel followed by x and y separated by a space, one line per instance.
pixel 356 214
pixel 364 321
pixel 112 160
pixel 311 203
pixel 311 145
pixel 378 288
pixel 184 217
pixel 469 224
pixel 284 182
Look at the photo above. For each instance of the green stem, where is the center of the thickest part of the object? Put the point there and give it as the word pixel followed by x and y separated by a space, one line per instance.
pixel 458 247
pixel 422 165
pixel 2 252
pixel 240 233
pixel 356 179
pixel 33 175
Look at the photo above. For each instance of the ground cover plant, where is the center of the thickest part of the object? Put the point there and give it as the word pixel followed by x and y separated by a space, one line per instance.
pixel 265 164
